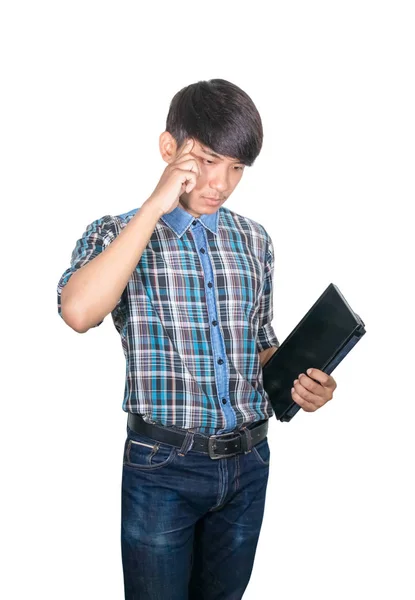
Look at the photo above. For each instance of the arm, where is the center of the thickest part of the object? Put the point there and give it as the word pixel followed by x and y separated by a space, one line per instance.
pixel 266 354
pixel 101 267
pixel 267 341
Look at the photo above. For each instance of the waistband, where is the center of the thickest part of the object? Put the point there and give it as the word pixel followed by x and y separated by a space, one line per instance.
pixel 217 446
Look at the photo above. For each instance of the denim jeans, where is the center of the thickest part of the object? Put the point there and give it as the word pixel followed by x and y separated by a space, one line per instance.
pixel 189 523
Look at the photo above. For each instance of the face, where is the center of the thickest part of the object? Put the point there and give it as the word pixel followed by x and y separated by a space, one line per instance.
pixel 219 177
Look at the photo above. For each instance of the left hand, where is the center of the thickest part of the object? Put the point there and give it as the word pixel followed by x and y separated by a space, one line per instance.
pixel 311 395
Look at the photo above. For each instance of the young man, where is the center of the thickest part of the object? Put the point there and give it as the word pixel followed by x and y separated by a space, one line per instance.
pixel 189 285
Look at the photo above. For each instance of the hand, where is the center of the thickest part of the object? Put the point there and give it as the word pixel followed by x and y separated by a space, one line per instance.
pixel 178 177
pixel 311 395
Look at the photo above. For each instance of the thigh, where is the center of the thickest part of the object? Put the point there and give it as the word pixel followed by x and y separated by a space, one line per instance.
pixel 226 539
pixel 156 525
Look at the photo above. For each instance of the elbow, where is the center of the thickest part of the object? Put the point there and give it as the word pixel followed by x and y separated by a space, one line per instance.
pixel 72 319
pixel 79 329
pixel 70 315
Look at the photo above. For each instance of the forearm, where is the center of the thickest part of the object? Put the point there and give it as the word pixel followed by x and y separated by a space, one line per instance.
pixel 93 291
pixel 266 354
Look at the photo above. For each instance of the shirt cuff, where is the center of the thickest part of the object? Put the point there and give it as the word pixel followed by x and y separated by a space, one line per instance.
pixel 266 338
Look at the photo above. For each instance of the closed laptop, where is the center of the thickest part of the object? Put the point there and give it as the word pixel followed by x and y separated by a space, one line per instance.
pixel 322 339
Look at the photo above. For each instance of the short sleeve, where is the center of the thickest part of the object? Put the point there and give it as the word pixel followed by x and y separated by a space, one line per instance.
pixel 96 237
pixel 266 334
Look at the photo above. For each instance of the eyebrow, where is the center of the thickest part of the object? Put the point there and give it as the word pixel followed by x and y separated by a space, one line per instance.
pixel 207 151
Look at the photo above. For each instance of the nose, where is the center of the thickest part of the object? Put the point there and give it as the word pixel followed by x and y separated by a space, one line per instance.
pixel 219 181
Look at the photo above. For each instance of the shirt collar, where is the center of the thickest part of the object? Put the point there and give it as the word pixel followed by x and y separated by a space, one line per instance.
pixel 179 220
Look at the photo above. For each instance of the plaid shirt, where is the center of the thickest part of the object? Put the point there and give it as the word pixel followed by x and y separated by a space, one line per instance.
pixel 196 311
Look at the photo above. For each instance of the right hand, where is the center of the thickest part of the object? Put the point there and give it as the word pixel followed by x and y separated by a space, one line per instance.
pixel 178 177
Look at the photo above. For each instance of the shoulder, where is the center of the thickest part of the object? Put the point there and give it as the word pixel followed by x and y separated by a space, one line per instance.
pixel 231 218
pixel 127 216
pixel 108 227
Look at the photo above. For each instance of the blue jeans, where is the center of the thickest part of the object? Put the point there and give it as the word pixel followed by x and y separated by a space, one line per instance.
pixel 189 524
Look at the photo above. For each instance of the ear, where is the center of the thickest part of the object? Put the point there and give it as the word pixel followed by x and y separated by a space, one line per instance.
pixel 168 146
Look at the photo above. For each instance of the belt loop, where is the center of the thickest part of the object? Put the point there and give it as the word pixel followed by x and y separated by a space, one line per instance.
pixel 246 440
pixel 187 443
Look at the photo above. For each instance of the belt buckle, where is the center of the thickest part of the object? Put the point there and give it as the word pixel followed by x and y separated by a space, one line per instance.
pixel 211 440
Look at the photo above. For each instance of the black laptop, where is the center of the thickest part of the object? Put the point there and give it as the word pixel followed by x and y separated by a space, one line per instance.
pixel 324 336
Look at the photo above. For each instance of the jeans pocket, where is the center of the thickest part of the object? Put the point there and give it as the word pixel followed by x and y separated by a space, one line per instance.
pixel 141 452
pixel 261 452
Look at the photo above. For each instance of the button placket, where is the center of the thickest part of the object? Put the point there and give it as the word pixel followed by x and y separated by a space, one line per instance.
pixel 222 374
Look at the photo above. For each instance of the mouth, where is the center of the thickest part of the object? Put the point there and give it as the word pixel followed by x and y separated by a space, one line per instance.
pixel 212 199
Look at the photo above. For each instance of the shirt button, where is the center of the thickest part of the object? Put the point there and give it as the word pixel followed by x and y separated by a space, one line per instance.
pixel 202 250
pixel 220 361
pixel 214 322
pixel 210 284
pixel 224 400
pixel 194 222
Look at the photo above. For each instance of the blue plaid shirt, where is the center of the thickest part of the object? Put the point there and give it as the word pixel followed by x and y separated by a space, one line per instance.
pixel 195 313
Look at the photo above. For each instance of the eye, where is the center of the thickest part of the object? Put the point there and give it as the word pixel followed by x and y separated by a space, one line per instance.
pixel 239 168
pixel 210 162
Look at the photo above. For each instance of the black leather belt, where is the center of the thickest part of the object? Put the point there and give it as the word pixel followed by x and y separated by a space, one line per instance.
pixel 217 446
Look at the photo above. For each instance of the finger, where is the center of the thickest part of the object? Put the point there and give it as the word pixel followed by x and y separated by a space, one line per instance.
pixel 188 179
pixel 307 406
pixel 310 384
pixel 187 158
pixel 186 147
pixel 303 393
pixel 189 164
pixel 319 376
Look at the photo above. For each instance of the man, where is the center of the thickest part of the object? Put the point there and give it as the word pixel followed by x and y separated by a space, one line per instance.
pixel 189 285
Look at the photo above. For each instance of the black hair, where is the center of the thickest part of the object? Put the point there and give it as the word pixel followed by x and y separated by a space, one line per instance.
pixel 219 115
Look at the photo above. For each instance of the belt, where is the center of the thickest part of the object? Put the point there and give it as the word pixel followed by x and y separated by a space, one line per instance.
pixel 217 446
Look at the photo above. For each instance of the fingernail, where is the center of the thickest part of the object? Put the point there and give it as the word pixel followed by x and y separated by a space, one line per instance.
pixel 296 381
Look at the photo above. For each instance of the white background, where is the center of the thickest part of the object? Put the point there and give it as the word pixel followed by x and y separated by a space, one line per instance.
pixel 85 93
